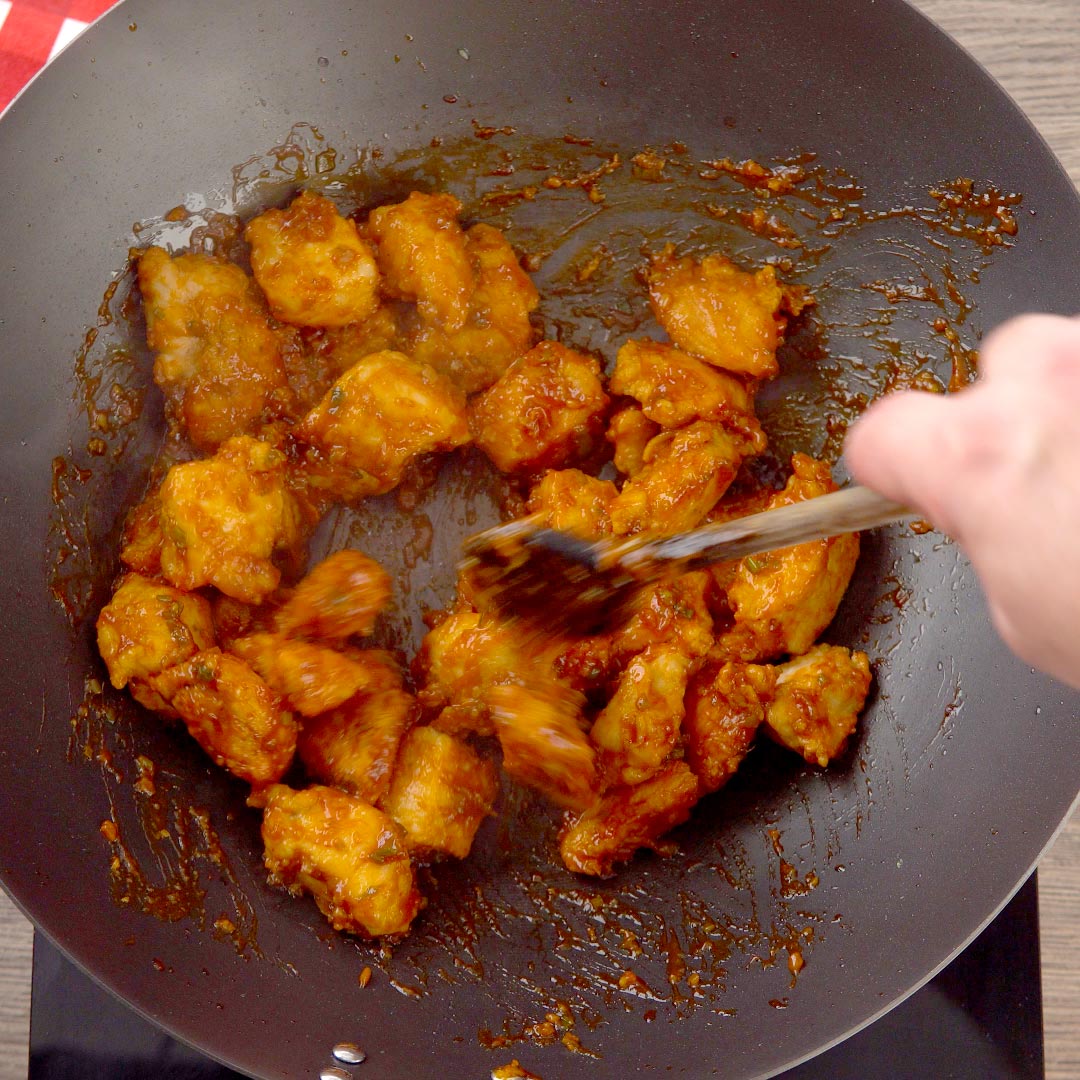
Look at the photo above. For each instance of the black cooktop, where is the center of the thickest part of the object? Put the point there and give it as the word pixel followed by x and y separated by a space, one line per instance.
pixel 979 1019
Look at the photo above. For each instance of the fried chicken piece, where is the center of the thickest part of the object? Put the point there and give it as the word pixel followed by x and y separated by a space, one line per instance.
pixel 497 330
pixel 440 792
pixel 312 264
pixel 783 600
pixel 574 502
pixel 716 311
pixel 374 420
pixel 629 431
pixel 339 596
pixel 543 744
pixel 355 746
pixel 684 473
pixel 421 252
pixel 724 709
pixel 322 355
pixel 349 856
pixel 241 723
pixel 628 818
pixel 218 362
pixel 148 626
pixel 817 702
pixel 310 676
pixel 234 619
pixel 141 545
pixel 676 389
pixel 675 613
pixel 546 410
pixel 224 519
pixel 639 727
pixel 461 659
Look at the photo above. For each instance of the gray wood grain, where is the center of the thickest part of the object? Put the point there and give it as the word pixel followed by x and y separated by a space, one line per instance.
pixel 1033 49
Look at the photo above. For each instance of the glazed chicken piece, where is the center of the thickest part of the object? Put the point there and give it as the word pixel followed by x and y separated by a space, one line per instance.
pixel 639 727
pixel 440 792
pixel 148 626
pixel 320 356
pixel 374 420
pixel 241 723
pixel 349 856
pixel 716 311
pixel 784 599
pixel 543 744
pixel 724 709
pixel 234 619
pixel 675 389
pixel 818 700
pixel 629 431
pixel 312 677
pixel 626 819
pixel 497 329
pixel 217 360
pixel 355 746
pixel 458 663
pixel 545 411
pixel 421 253
pixel 141 546
pixel 339 596
pixel 312 265
pixel 675 613
pixel 574 502
pixel 684 473
pixel 224 519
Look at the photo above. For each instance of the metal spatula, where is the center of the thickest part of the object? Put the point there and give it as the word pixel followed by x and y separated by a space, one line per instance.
pixel 525 570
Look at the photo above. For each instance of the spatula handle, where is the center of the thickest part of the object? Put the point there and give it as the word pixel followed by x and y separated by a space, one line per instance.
pixel 848 510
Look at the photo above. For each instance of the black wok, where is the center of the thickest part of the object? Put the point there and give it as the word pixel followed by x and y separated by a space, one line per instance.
pixel 966 762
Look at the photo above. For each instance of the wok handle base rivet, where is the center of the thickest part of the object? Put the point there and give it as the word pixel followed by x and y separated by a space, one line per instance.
pixel 349 1053
pixel 332 1072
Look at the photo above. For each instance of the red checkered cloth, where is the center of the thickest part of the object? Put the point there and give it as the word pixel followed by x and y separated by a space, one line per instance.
pixel 32 32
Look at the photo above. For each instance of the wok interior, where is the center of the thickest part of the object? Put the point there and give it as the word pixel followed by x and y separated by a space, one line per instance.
pixel 717 920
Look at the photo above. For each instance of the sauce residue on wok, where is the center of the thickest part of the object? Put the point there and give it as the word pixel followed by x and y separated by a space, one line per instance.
pixel 581 211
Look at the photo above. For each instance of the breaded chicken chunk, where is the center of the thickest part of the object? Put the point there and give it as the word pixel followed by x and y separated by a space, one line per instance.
pixel 684 473
pixel 817 701
pixel 544 746
pixel 675 389
pixel 461 659
pixel 545 411
pixel 440 792
pixel 217 360
pixel 783 600
pixel 724 709
pixel 374 420
pixel 224 519
pixel 714 310
pixel 422 256
pixel 312 677
pixel 497 329
pixel 626 819
pixel 339 596
pixel 148 626
pixel 629 431
pixel 349 856
pixel 312 264
pixel 574 502
pixel 241 723
pixel 639 727
pixel 675 613
pixel 355 746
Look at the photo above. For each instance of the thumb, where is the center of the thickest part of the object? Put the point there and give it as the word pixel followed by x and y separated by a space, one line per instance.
pixel 915 448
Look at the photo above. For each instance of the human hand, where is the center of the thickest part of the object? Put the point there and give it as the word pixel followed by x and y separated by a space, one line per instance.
pixel 997 467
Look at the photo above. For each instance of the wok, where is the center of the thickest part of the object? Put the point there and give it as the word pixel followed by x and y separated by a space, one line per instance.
pixel 966 763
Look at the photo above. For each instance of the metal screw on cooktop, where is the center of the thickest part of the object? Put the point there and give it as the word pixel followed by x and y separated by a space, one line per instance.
pixel 349 1053
pixel 332 1072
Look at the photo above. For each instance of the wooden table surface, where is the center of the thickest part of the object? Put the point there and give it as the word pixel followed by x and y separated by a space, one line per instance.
pixel 1033 49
